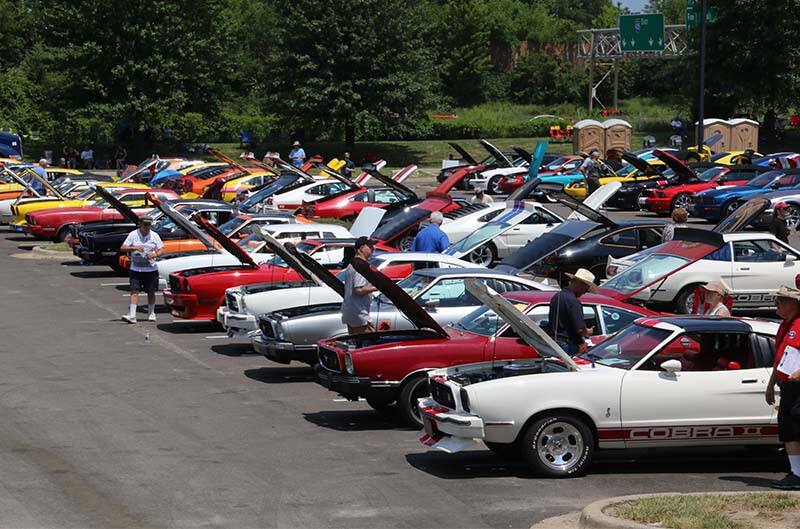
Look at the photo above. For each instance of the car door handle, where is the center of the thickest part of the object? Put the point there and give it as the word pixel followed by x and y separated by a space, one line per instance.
pixel 749 381
pixel 743 269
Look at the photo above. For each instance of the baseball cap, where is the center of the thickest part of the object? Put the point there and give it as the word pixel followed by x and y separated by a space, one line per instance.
pixel 361 241
pixel 145 220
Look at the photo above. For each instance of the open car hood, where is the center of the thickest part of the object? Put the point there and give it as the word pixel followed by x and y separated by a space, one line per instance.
pixel 401 300
pixel 115 203
pixel 545 245
pixel 641 166
pixel 532 180
pixel 583 209
pixel 336 176
pixel 596 200
pixel 367 221
pixel 743 216
pixel 467 157
pixel 525 327
pixel 689 246
pixel 681 170
pixel 21 181
pixel 275 247
pixel 395 182
pixel 188 226
pixel 141 170
pixel 321 273
pixel 501 160
pixel 364 177
pixel 522 153
pixel 228 244
pixel 514 213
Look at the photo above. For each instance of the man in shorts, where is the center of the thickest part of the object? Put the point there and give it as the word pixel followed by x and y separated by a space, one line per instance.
pixel 358 292
pixel 786 374
pixel 144 245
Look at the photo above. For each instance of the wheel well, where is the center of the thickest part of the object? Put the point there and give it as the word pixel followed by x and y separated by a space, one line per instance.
pixel 689 287
pixel 415 374
pixel 578 414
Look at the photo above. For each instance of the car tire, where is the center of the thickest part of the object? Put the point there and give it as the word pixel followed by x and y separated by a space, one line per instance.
pixel 405 242
pixel 493 185
pixel 729 208
pixel 794 216
pixel 63 233
pixel 558 445
pixel 413 389
pixel 382 406
pixel 504 450
pixel 484 255
pixel 684 300
pixel 683 200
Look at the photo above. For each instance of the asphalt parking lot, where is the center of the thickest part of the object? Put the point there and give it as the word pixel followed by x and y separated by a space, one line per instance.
pixel 105 428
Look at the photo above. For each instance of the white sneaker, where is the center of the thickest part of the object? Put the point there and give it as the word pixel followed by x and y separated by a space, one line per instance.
pixel 151 317
pixel 129 318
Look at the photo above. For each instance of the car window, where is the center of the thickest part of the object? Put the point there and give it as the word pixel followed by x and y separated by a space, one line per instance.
pixel 615 319
pixel 386 196
pixel 763 251
pixel 361 197
pixel 622 238
pixel 489 216
pixel 649 237
pixel 540 315
pixel 540 217
pixel 501 286
pixel 706 352
pixel 722 254
pixel 330 257
pixel 449 292
pixel 132 197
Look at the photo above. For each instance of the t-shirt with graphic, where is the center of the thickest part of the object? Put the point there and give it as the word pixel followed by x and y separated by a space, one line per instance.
pixel 151 243
pixel 788 350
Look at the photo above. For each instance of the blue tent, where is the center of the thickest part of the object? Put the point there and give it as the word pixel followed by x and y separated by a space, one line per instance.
pixel 164 176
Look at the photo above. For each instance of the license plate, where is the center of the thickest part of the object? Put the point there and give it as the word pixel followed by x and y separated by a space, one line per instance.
pixel 430 426
pixel 231 333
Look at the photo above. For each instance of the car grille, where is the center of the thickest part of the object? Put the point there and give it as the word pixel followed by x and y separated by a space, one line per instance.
pixel 265 324
pixel 329 359
pixel 231 302
pixel 85 241
pixel 174 284
pixel 442 394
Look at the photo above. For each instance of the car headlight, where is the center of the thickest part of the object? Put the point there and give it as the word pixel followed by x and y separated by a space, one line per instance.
pixel 242 304
pixel 348 364
pixel 279 332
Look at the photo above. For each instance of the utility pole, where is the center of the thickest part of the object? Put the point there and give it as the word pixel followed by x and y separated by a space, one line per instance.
pixel 701 102
pixel 591 74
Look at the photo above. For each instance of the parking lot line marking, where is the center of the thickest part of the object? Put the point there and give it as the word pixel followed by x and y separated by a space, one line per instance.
pixel 121 283
pixel 216 336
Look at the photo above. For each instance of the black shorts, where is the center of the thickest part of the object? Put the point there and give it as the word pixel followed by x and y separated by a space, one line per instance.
pixel 144 281
pixel 789 412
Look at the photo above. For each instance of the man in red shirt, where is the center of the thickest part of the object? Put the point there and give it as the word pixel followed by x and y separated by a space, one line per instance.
pixel 786 373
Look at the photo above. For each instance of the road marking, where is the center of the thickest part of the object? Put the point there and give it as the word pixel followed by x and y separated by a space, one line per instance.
pixel 121 283
pixel 215 336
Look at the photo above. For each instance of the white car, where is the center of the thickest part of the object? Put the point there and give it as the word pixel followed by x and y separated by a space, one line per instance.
pixel 244 304
pixel 660 382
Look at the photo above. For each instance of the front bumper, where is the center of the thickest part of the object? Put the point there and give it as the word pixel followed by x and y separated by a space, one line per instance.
pixel 94 256
pixel 448 430
pixel 624 200
pixel 655 204
pixel 184 306
pixel 18 226
pixel 236 322
pixel 353 387
pixel 706 211
pixel 281 351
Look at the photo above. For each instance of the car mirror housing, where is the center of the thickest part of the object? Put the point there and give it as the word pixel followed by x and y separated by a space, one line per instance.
pixel 790 257
pixel 671 366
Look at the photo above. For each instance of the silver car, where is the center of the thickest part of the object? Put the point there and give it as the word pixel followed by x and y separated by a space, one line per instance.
pixel 293 334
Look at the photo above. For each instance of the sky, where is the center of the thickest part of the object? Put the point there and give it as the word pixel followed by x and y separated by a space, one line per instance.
pixel 634 5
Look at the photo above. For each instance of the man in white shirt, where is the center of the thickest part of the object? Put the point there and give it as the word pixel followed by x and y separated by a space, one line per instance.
pixel 87 156
pixel 144 245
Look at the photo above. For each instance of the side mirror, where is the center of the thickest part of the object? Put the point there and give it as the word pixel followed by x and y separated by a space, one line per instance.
pixel 722 180
pixel 432 305
pixel 776 185
pixel 671 366
pixel 790 258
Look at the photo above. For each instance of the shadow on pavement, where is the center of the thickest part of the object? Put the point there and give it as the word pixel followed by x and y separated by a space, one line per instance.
pixel 233 349
pixel 190 327
pixel 750 481
pixel 93 274
pixel 280 375
pixel 353 421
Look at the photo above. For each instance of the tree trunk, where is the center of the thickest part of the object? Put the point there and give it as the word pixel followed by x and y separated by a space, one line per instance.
pixel 349 134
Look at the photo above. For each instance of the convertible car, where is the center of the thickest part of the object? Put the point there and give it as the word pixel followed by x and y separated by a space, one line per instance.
pixel 713 204
pixel 640 388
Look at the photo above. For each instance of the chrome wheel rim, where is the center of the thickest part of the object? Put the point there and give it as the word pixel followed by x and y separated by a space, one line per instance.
pixel 689 304
pixel 794 217
pixel 405 243
pixel 494 185
pixel 421 391
pixel 683 201
pixel 560 446
pixel 733 206
pixel 481 256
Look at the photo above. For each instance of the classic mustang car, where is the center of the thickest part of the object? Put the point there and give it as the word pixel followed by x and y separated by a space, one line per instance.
pixel 409 312
pixel 660 382
pixel 57 223
pixel 688 182
pixel 561 165
pixel 713 204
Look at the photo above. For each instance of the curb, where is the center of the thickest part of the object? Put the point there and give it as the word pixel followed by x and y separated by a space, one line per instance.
pixel 594 517
pixel 40 252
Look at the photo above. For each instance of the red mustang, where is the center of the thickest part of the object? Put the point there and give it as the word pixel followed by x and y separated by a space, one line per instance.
pixel 197 293
pixel 679 191
pixel 390 366
pixel 56 223
pixel 349 203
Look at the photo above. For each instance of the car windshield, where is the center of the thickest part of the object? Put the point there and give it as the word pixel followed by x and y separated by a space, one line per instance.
pixel 86 194
pixel 709 174
pixel 485 233
pixel 719 156
pixel 627 170
pixel 413 285
pixel 252 244
pixel 645 272
pixel 482 320
pixel 765 179
pixel 267 191
pixel 555 164
pixel 232 225
pixel 626 348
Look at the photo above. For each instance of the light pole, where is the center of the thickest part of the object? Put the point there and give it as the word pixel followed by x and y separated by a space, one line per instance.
pixel 701 102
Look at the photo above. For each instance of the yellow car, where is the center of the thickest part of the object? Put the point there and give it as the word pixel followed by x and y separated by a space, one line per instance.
pixel 58 200
pixel 734 157
pixel 628 173
pixel 9 188
pixel 232 187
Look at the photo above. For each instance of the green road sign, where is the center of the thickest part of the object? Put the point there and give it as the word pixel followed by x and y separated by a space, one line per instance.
pixel 641 32
pixel 693 14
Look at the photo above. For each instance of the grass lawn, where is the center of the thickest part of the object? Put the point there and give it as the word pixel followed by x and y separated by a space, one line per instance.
pixel 714 511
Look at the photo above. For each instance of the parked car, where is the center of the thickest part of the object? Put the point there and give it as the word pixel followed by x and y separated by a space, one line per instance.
pixel 661 381
pixel 713 204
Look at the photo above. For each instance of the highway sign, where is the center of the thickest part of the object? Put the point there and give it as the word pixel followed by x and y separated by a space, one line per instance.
pixel 641 32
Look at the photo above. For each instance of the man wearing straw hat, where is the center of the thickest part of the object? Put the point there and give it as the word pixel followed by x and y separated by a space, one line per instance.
pixel 786 373
pixel 565 320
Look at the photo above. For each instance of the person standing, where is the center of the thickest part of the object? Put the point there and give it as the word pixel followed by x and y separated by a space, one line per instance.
pixel 40 171
pixel 431 239
pixel 481 197
pixel 714 293
pixel 358 292
pixel 87 158
pixel 349 166
pixel 72 159
pixel 590 168
pixel 786 374
pixel 779 226
pixel 144 245
pixel 565 320
pixel 120 156
pixel 679 218
pixel 297 155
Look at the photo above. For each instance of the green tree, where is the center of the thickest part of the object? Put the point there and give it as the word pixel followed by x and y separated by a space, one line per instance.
pixel 674 10
pixel 343 61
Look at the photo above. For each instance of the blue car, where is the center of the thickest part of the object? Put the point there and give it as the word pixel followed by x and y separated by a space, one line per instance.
pixel 714 204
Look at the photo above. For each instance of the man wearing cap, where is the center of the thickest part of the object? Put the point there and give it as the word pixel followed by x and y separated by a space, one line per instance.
pixel 779 226
pixel 565 321
pixel 590 168
pixel 714 293
pixel 358 292
pixel 431 239
pixel 144 245
pixel 786 373
pixel 297 155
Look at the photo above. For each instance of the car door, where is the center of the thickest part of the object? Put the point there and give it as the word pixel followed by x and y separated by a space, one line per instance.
pixel 539 221
pixel 619 243
pixel 716 397
pixel 760 267
pixel 648 237
pixel 612 319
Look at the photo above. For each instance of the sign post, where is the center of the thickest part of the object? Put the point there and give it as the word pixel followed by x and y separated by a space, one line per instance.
pixel 641 32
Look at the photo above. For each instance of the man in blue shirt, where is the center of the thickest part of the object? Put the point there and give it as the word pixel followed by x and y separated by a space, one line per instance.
pixel 40 170
pixel 297 155
pixel 431 239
